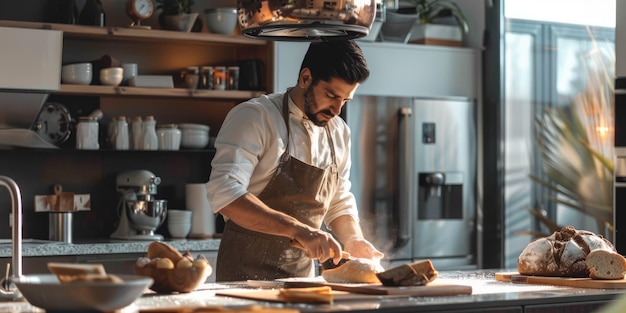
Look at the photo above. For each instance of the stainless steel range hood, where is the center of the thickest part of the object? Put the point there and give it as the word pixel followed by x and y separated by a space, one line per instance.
pixel 307 20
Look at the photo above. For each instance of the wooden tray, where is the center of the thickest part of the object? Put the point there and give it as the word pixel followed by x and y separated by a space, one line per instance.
pixel 516 277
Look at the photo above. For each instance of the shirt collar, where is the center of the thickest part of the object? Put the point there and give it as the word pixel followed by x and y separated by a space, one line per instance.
pixel 295 110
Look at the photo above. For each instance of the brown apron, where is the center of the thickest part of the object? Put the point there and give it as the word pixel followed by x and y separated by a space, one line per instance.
pixel 298 189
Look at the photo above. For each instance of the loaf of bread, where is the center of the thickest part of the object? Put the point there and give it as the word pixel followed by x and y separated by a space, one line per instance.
pixel 561 254
pixel 603 264
pixel 411 274
pixel 352 271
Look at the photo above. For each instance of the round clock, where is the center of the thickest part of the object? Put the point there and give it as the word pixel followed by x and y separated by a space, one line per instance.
pixel 139 10
pixel 53 123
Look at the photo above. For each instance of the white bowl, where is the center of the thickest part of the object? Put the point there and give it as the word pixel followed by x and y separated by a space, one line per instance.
pixel 221 20
pixel 179 230
pixel 46 292
pixel 77 74
pixel 111 76
pixel 194 136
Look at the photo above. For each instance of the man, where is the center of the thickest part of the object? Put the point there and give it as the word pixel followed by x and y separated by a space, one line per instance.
pixel 282 168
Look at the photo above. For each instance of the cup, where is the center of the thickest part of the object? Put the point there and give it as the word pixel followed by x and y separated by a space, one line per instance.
pixel 130 70
pixel 203 223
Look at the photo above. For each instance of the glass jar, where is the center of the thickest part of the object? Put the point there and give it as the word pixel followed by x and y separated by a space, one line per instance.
pixel 168 136
pixel 87 133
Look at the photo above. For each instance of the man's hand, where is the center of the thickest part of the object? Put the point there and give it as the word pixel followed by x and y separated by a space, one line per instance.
pixel 360 248
pixel 319 245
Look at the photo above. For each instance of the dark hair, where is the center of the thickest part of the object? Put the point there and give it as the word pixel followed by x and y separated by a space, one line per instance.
pixel 336 59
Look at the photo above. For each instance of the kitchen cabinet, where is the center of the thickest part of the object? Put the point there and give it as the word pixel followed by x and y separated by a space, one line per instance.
pixel 157 52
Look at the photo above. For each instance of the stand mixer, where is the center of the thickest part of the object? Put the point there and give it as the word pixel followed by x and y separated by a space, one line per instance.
pixel 140 214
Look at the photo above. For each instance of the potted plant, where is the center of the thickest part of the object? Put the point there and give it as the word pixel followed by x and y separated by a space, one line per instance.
pixel 434 26
pixel 176 14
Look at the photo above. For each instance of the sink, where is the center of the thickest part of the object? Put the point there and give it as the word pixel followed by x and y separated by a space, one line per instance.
pixel 30 242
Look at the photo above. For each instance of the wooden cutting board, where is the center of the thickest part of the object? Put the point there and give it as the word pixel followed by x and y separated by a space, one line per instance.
pixel 345 292
pixel 515 277
pixel 435 288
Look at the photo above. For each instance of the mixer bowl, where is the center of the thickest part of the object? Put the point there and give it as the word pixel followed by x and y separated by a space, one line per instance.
pixel 146 216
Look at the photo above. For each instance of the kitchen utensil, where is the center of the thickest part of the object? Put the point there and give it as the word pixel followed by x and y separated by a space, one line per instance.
pixel 65 200
pixel 305 21
pixel 587 282
pixel 221 20
pixel 60 226
pixel 46 292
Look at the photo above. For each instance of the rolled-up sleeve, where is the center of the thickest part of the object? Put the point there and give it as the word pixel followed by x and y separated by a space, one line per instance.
pixel 241 142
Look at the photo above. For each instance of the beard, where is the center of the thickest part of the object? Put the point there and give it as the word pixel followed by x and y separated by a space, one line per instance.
pixel 310 105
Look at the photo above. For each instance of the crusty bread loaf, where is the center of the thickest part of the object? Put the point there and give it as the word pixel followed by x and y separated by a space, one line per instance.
pixel 411 274
pixel 353 271
pixel 561 254
pixel 604 264
pixel 158 249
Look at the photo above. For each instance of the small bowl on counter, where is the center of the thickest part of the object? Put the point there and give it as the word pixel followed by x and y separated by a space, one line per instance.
pixel 194 136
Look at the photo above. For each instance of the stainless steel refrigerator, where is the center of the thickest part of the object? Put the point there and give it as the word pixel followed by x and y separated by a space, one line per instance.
pixel 413 172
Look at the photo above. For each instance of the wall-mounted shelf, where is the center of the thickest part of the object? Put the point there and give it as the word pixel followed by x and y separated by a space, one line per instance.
pixel 94 90
pixel 133 34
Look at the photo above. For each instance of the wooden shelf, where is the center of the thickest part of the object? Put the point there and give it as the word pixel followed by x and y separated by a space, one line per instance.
pixel 92 90
pixel 134 34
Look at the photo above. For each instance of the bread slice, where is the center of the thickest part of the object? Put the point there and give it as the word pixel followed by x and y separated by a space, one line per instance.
pixel 410 274
pixel 69 272
pixel 605 264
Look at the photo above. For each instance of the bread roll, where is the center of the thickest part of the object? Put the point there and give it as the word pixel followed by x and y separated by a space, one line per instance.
pixel 159 249
pixel 561 254
pixel 411 274
pixel 353 271
pixel 603 264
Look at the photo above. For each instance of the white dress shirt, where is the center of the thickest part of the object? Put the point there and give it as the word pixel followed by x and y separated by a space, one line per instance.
pixel 251 141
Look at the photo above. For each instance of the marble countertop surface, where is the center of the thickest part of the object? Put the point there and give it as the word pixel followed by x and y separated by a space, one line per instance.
pixel 36 247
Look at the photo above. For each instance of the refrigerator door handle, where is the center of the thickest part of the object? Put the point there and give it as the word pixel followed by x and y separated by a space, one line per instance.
pixel 401 214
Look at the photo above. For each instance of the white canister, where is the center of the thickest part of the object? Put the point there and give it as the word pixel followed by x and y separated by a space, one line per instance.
pixel 122 141
pixel 149 135
pixel 168 136
pixel 203 222
pixel 87 134
pixel 136 133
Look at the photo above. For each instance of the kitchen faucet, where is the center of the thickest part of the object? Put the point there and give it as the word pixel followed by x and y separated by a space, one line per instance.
pixel 7 289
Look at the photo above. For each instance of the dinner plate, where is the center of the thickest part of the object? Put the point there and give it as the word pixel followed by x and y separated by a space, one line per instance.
pixel 46 292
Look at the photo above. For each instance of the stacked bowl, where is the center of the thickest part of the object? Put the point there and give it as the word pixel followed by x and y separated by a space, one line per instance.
pixel 194 136
pixel 179 223
pixel 77 74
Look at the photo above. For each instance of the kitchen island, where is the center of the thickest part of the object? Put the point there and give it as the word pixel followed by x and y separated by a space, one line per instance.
pixel 488 295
